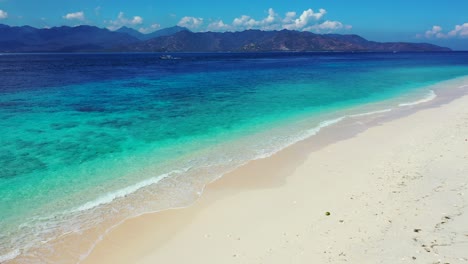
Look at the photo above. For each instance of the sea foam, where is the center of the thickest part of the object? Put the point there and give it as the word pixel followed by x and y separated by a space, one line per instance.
pixel 109 197
pixel 324 124
pixel 429 97
pixel 9 256
pixel 372 113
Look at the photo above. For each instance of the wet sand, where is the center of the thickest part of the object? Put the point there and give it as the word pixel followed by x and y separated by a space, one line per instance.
pixel 384 189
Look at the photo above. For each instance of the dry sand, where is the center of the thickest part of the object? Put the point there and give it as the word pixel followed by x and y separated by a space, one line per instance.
pixel 396 192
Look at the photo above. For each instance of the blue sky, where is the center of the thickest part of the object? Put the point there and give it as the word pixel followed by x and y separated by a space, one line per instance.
pixel 434 21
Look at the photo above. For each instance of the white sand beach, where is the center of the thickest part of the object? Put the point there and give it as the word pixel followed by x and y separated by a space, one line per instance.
pixel 396 192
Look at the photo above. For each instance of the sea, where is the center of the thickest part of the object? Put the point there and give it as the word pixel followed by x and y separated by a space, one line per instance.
pixel 89 140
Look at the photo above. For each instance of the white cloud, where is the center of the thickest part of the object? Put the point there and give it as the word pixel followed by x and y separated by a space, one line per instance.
pixel 123 21
pixel 146 30
pixel 245 22
pixel 328 26
pixel 271 22
pixel 289 17
pixel 460 31
pixel 271 18
pixel 3 14
pixel 436 31
pixel 136 20
pixel 190 22
pixel 308 20
pixel 305 20
pixel 218 26
pixel 75 16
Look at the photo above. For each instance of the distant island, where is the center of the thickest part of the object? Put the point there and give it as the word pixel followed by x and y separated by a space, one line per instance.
pixel 180 39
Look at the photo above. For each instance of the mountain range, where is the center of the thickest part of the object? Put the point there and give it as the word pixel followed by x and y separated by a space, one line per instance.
pixel 159 33
pixel 179 39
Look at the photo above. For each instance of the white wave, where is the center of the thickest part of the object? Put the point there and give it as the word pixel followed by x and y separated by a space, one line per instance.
pixel 463 86
pixel 121 193
pixel 372 113
pixel 109 197
pixel 324 124
pixel 9 256
pixel 429 97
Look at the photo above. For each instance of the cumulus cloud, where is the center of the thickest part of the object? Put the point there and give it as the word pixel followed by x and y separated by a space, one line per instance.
pixel 3 14
pixel 307 20
pixel 245 22
pixel 328 26
pixel 218 26
pixel 123 21
pixel 271 22
pixel 459 31
pixel 190 22
pixel 271 16
pixel 75 16
pixel 289 17
pixel 435 31
pixel 136 20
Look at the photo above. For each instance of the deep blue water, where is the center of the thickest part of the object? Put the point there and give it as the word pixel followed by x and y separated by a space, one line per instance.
pixel 82 131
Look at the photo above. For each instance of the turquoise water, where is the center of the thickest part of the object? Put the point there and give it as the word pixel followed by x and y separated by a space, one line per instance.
pixel 90 138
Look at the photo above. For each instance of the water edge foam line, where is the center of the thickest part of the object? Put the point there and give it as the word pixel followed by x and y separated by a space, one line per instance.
pixel 429 97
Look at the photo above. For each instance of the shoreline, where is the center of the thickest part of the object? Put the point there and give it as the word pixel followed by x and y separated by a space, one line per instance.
pixel 332 120
pixel 165 225
pixel 340 126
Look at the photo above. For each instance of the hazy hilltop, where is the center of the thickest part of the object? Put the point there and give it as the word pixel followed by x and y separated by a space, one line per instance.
pixel 264 41
pixel 159 33
pixel 180 39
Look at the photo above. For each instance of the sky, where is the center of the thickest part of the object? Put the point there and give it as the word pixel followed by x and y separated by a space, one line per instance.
pixel 442 22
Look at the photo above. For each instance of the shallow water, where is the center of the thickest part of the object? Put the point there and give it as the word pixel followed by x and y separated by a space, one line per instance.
pixel 90 138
